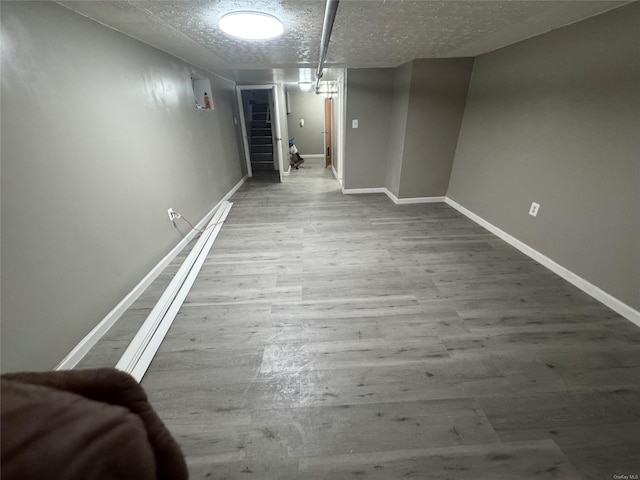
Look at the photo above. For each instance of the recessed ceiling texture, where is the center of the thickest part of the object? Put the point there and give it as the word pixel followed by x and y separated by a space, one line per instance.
pixel 366 33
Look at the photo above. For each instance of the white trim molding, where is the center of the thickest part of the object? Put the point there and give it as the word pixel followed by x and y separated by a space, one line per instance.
pixel 225 198
pixel 139 354
pixel 312 155
pixel 391 195
pixel 407 201
pixel 596 292
pixel 335 173
pixel 358 191
pixel 394 199
pixel 82 348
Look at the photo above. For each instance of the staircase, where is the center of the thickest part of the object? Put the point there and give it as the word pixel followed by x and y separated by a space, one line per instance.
pixel 261 141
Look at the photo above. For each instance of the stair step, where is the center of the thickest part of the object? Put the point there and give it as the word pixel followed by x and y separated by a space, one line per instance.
pixel 261 141
pixel 261 166
pixel 257 148
pixel 262 157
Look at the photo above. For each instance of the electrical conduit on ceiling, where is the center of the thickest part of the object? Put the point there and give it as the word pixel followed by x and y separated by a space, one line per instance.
pixel 329 17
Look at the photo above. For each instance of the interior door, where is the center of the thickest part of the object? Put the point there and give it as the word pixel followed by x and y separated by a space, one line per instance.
pixel 328 147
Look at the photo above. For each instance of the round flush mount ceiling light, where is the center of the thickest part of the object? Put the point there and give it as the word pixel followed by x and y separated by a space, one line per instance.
pixel 251 25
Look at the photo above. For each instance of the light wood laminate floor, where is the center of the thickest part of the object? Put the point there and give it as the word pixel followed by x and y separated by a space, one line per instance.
pixel 334 336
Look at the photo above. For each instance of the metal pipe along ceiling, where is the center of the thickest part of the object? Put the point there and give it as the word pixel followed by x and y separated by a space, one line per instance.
pixel 327 26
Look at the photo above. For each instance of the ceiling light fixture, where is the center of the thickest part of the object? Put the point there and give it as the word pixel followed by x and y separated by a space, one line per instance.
pixel 305 86
pixel 251 25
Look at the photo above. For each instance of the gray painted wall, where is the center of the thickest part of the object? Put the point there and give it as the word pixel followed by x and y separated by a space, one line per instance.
pixel 423 108
pixel 99 137
pixel 310 107
pixel 555 119
pixel 438 92
pixel 398 126
pixel 369 100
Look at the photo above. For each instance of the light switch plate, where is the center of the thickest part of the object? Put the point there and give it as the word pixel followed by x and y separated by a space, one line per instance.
pixel 354 123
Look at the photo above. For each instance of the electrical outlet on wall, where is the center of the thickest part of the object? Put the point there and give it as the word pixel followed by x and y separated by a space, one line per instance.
pixel 172 214
pixel 533 211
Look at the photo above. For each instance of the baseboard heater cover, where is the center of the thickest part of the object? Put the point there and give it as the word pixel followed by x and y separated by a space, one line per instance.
pixel 93 337
pixel 139 354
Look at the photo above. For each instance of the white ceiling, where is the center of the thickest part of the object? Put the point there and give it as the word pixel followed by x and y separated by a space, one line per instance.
pixel 366 33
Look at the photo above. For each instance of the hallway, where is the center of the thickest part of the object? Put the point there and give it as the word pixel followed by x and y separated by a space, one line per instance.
pixel 334 336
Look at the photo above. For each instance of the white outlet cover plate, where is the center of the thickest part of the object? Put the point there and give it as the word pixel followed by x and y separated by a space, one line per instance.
pixel 533 211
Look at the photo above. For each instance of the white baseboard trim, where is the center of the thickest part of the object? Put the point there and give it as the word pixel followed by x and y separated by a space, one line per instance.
pixel 408 201
pixel 394 199
pixel 596 292
pixel 229 195
pixel 335 174
pixel 358 191
pixel 139 354
pixel 391 195
pixel 82 348
pixel 312 155
pixel 287 172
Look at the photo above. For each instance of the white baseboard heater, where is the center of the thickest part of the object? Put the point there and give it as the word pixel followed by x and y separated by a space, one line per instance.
pixel 138 356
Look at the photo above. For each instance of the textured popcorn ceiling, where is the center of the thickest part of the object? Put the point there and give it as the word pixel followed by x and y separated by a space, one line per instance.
pixel 367 33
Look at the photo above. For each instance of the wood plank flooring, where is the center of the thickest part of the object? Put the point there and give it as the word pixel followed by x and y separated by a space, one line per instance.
pixel 335 336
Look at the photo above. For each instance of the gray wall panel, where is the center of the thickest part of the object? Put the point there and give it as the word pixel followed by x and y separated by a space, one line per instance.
pixel 555 120
pixel 99 137
pixel 369 98
pixel 398 125
pixel 436 104
pixel 310 107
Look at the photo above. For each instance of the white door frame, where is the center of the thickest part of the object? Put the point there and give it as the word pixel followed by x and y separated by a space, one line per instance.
pixel 338 127
pixel 275 120
pixel 275 115
pixel 341 127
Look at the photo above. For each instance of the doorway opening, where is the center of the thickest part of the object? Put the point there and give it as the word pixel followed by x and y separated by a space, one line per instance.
pixel 316 120
pixel 328 129
pixel 261 131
